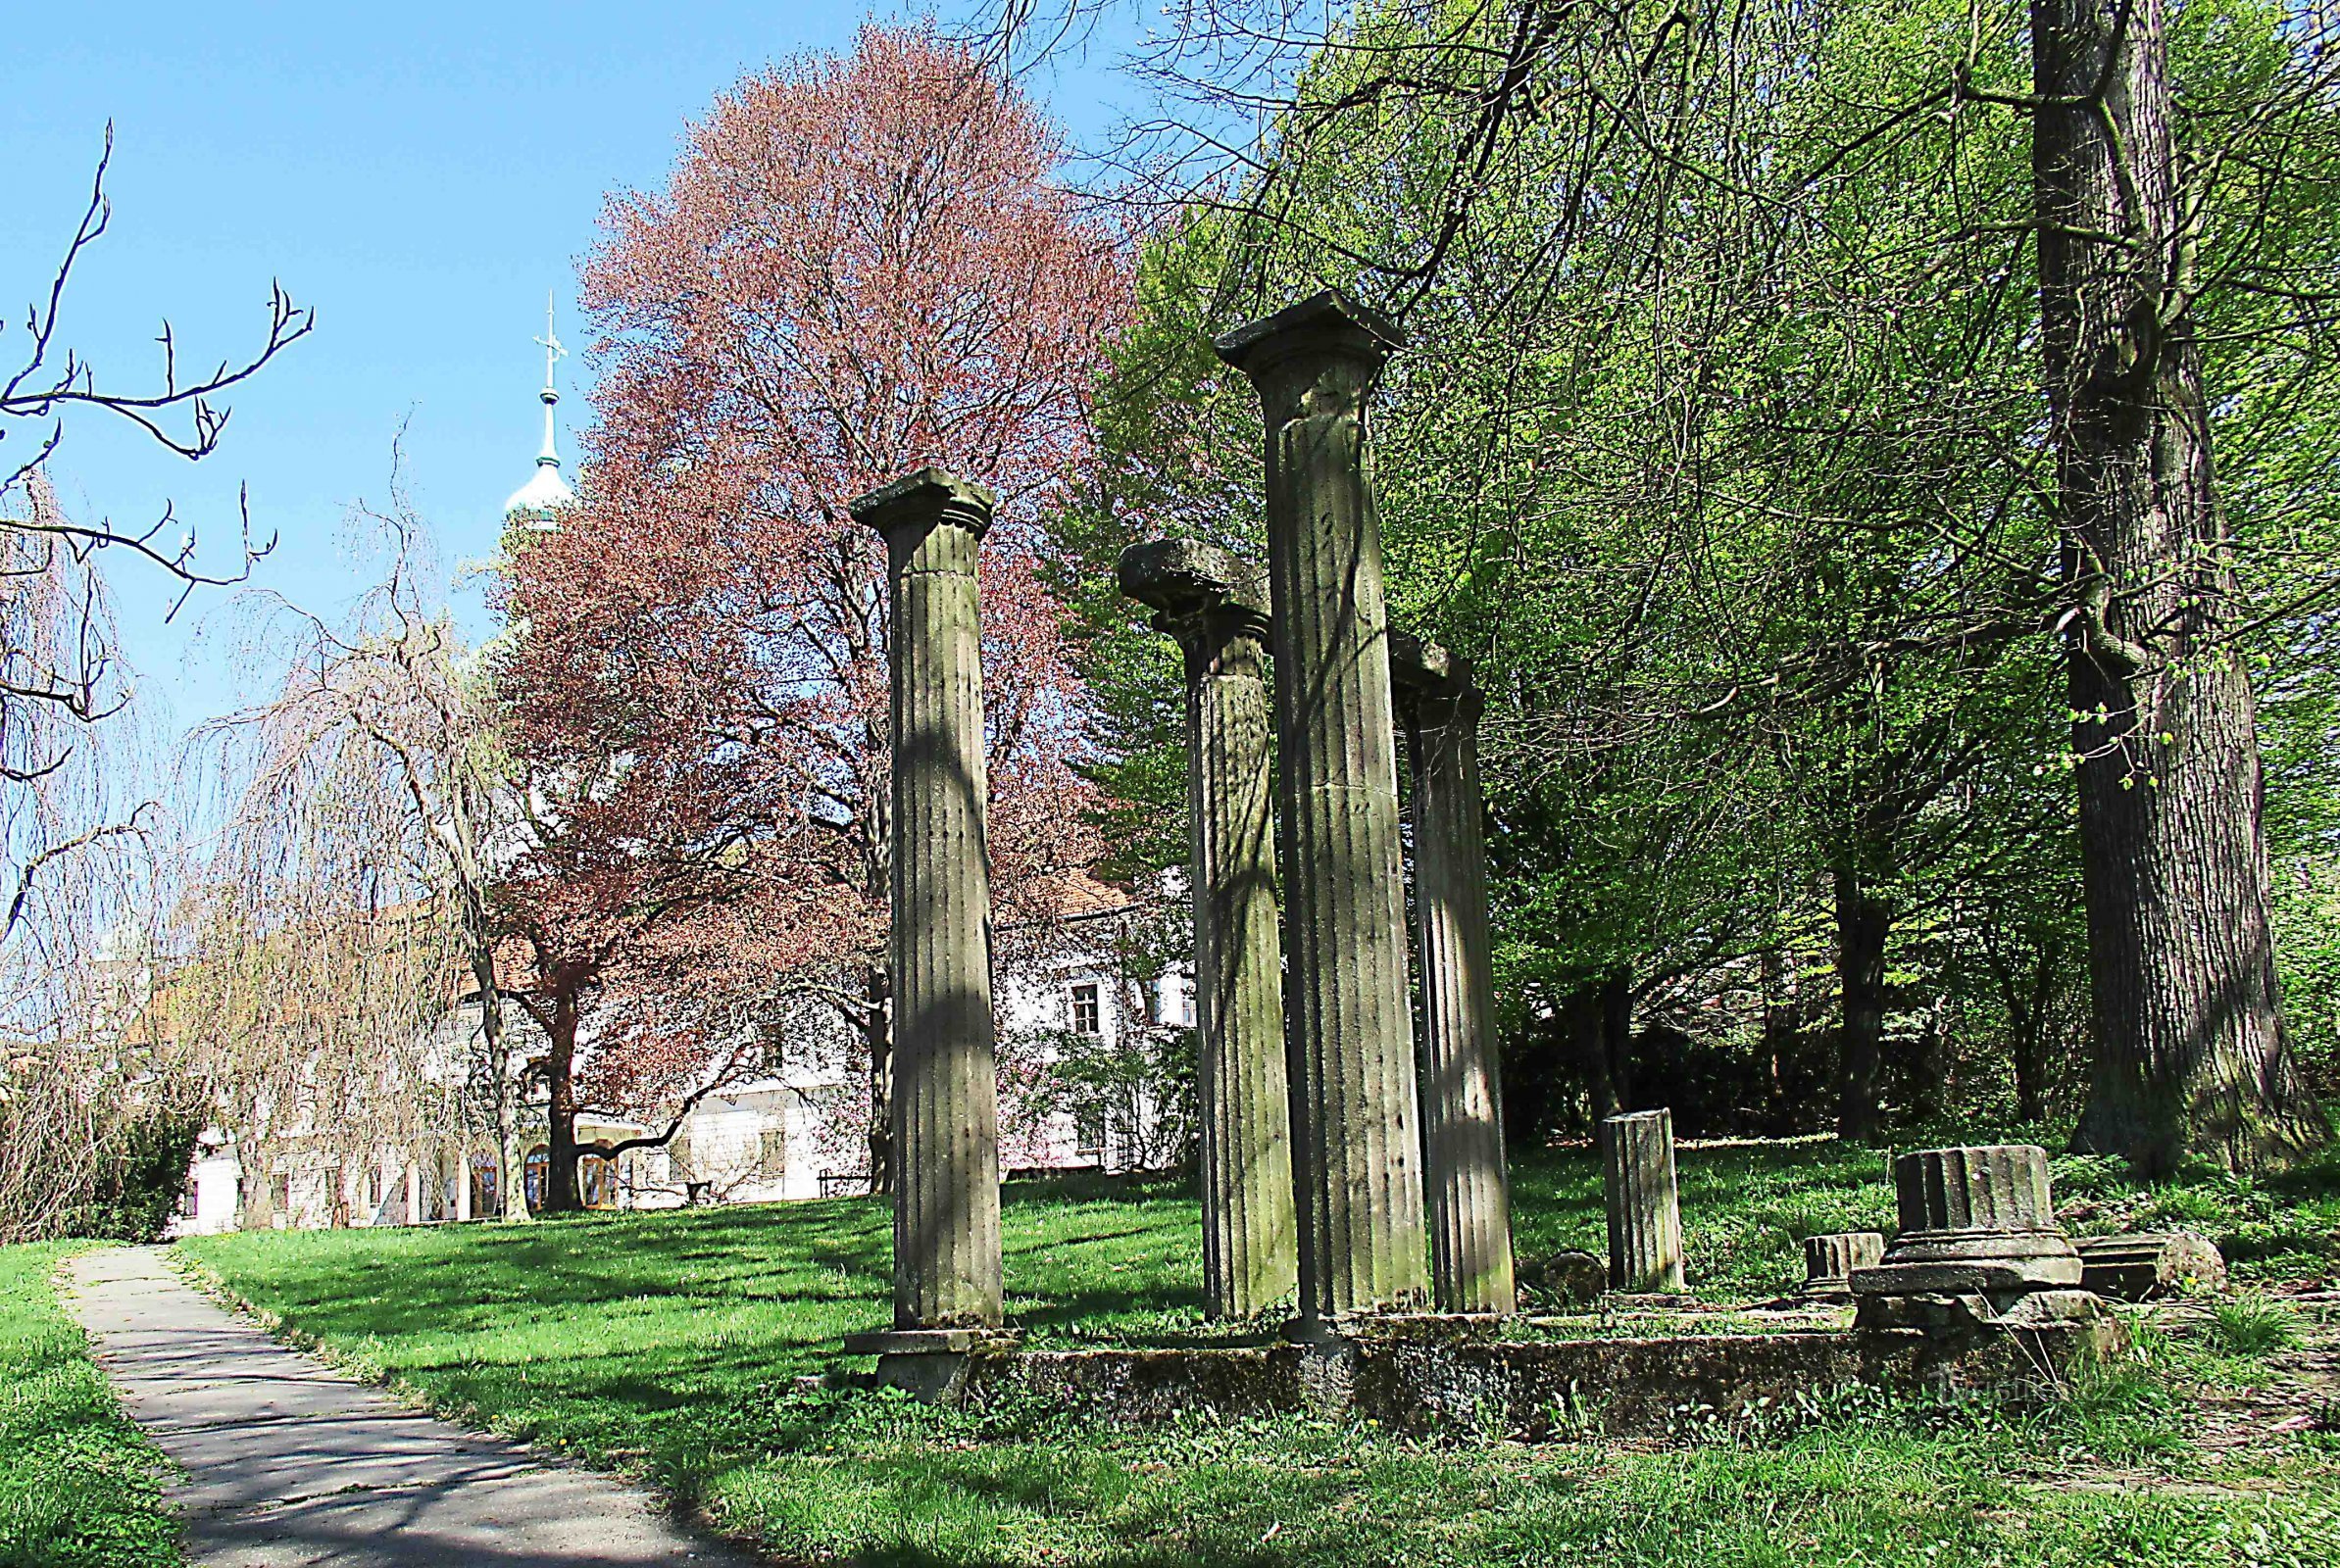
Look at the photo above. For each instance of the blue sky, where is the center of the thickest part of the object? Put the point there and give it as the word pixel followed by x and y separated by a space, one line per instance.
pixel 421 174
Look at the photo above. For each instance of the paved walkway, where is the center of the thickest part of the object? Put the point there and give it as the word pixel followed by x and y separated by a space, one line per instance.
pixel 291 1463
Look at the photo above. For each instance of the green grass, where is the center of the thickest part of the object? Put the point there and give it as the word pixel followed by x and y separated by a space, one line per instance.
pixel 2253 1326
pixel 80 1486
pixel 671 1345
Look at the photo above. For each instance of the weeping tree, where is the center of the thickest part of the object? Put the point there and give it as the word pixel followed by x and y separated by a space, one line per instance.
pixel 347 916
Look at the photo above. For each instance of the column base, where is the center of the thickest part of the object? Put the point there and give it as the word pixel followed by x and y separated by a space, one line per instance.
pixel 929 1364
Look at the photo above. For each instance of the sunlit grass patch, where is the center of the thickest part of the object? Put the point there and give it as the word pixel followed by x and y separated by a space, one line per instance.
pixel 80 1484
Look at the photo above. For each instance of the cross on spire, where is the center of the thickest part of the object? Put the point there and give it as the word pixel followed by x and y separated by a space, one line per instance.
pixel 553 351
pixel 549 456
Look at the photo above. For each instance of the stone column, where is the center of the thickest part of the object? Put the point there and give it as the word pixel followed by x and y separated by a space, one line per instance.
pixel 1645 1211
pixel 1348 1027
pixel 1217 607
pixel 462 1183
pixel 1974 1221
pixel 1469 1196
pixel 945 1103
pixel 1830 1261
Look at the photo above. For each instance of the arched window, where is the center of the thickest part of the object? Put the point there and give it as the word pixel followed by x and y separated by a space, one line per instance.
pixel 597 1181
pixel 533 1174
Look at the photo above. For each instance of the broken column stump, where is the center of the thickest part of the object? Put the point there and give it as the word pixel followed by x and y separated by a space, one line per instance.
pixel 1978 1238
pixel 1348 1017
pixel 1466 1189
pixel 1217 607
pixel 1645 1215
pixel 2148 1265
pixel 1830 1261
pixel 945 1092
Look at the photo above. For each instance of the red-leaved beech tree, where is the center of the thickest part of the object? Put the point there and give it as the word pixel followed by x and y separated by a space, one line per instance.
pixel 859 265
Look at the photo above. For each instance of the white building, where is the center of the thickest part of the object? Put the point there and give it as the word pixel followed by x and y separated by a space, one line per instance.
pixel 1085 1051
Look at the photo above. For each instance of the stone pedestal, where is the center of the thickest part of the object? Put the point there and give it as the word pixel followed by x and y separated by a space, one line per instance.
pixel 1349 1026
pixel 945 1100
pixel 1974 1220
pixel 2142 1266
pixel 1464 1184
pixel 1217 607
pixel 1645 1213
pixel 1830 1261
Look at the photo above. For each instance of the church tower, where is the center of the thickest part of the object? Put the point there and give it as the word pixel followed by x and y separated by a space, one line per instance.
pixel 537 504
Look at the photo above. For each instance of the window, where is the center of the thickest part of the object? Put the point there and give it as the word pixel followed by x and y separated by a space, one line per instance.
pixel 1089 1132
pixel 772 1154
pixel 1088 1016
pixel 678 1167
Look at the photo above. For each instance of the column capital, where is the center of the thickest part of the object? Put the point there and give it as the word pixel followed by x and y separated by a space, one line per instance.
pixel 1202 595
pixel 923 498
pixel 1433 686
pixel 1329 325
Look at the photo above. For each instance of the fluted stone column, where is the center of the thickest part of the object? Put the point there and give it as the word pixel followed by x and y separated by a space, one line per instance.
pixel 945 1103
pixel 1645 1211
pixel 1464 1185
pixel 1349 1030
pixel 1974 1221
pixel 1217 607
pixel 1830 1261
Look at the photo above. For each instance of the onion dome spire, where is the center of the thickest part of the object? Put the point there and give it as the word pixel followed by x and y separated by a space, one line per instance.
pixel 546 492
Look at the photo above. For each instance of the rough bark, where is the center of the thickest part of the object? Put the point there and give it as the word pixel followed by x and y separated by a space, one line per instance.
pixel 1616 1032
pixel 1863 921
pixel 1585 1014
pixel 2190 1060
pixel 561 1150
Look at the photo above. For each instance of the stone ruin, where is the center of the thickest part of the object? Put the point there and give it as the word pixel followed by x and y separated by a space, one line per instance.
pixel 1347 1165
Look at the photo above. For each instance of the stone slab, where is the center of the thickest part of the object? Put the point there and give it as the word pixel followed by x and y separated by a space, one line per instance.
pixel 923 1342
pixel 1982 1276
pixel 1541 1390
pixel 2142 1266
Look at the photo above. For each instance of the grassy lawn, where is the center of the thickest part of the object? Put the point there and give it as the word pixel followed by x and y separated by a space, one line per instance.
pixel 80 1486
pixel 668 1346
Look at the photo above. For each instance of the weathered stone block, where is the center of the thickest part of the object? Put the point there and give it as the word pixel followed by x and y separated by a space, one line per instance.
pixel 1566 1278
pixel 1972 1219
pixel 1645 1214
pixel 1415 1375
pixel 1829 1260
pixel 2142 1266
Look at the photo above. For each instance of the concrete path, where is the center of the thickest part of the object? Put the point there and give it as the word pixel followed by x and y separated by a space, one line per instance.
pixel 291 1463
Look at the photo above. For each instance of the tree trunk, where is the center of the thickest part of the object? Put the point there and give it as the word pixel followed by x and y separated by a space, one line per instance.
pixel 1928 1072
pixel 1616 1032
pixel 1533 1064
pixel 1864 919
pixel 508 1157
pixel 2189 1059
pixel 561 1151
pixel 877 1034
pixel 1587 1023
pixel 2027 1013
